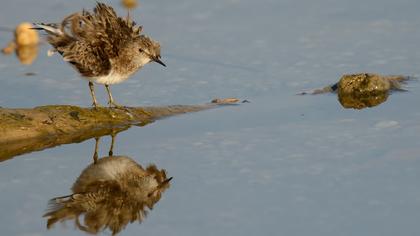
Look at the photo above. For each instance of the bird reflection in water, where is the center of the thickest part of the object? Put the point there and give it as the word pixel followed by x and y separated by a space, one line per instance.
pixel 110 193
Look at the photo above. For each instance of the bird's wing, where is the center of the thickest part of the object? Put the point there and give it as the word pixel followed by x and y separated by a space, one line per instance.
pixel 117 30
pixel 90 40
pixel 105 28
pixel 91 60
pixel 80 45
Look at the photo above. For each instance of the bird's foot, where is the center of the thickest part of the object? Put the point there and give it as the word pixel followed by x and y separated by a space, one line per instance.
pixel 114 105
pixel 96 105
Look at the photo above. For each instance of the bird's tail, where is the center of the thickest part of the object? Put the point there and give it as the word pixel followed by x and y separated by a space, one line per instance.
pixel 49 28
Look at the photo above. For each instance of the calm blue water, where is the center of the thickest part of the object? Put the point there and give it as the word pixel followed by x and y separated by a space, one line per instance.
pixel 280 165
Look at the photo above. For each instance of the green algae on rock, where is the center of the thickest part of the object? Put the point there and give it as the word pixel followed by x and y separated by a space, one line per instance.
pixel 368 83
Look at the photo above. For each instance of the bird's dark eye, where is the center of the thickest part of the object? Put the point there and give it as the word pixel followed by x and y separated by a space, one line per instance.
pixel 141 50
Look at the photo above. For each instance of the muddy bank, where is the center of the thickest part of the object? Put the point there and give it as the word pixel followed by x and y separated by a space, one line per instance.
pixel 27 130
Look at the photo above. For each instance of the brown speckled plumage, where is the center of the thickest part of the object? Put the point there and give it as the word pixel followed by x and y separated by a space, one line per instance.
pixel 104 48
pixel 109 194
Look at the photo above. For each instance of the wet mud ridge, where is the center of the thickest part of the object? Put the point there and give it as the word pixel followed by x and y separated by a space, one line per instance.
pixel 27 130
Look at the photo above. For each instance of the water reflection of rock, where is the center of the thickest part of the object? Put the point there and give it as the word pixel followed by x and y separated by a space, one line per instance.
pixel 25 44
pixel 110 193
pixel 363 90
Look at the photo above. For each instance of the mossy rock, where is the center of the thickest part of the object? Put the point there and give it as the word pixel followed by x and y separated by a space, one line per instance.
pixel 366 90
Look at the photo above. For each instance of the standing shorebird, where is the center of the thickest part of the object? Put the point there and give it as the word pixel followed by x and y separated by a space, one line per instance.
pixel 104 48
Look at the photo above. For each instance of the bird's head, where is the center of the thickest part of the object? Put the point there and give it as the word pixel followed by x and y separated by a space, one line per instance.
pixel 148 50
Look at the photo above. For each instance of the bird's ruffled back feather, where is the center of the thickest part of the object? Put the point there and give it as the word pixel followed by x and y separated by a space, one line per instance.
pixel 89 40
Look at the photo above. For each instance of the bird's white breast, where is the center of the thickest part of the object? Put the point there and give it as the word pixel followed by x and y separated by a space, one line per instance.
pixel 112 78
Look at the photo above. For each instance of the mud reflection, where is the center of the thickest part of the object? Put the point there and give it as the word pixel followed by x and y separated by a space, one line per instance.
pixel 11 150
pixel 109 193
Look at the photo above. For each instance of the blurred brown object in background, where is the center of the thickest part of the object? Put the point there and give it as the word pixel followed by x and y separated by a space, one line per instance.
pixel 25 43
pixel 25 35
pixel 27 54
pixel 129 4
pixel 9 48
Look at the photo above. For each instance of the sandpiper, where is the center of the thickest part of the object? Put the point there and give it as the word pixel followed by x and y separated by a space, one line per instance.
pixel 104 48
pixel 110 193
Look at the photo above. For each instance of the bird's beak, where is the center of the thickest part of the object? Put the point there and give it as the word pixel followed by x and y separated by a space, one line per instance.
pixel 157 60
pixel 167 180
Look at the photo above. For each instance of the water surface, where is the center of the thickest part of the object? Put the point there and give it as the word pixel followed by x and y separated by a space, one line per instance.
pixel 280 165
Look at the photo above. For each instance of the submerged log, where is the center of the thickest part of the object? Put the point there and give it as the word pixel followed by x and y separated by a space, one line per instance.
pixel 27 130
